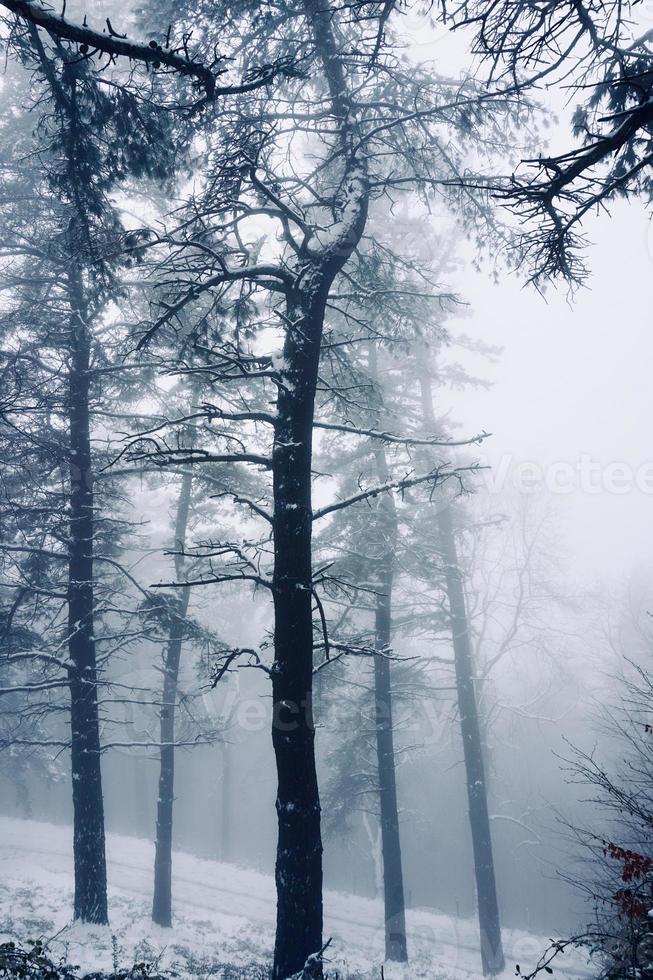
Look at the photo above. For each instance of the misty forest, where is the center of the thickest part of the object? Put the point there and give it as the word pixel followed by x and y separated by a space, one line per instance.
pixel 326 574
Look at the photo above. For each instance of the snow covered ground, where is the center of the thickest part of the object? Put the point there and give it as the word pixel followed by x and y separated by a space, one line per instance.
pixel 223 914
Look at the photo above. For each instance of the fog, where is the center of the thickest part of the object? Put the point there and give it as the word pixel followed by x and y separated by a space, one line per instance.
pixel 570 383
pixel 325 491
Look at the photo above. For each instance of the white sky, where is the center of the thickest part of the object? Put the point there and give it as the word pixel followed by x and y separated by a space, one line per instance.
pixel 575 379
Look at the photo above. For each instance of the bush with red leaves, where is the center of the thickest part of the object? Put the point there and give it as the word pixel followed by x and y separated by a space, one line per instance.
pixel 630 901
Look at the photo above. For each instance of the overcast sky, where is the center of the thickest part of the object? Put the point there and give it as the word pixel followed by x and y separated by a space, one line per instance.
pixel 574 381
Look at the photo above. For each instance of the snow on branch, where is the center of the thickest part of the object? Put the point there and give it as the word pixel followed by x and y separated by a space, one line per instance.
pixel 115 45
pixel 435 477
pixel 164 456
pixel 226 660
pixel 403 440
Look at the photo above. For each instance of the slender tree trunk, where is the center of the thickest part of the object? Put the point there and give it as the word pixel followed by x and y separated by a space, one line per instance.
pixel 383 579
pixel 224 788
pixel 488 907
pixel 299 849
pixel 489 920
pixel 23 798
pixel 88 805
pixel 162 898
pixel 393 882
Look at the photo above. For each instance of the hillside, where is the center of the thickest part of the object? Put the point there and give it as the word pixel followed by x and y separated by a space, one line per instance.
pixel 223 913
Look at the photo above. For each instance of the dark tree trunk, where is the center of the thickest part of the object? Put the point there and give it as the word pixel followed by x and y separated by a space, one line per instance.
pixel 224 789
pixel 299 849
pixel 488 907
pixel 23 798
pixel 88 806
pixel 383 566
pixel 162 898
pixel 393 882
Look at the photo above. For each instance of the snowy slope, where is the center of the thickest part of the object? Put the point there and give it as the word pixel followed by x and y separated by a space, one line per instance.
pixel 223 913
